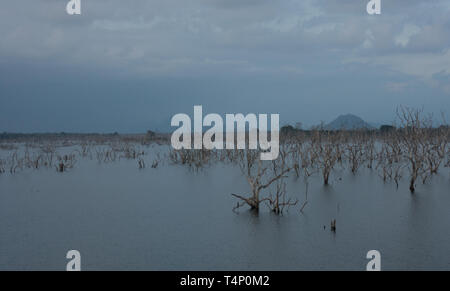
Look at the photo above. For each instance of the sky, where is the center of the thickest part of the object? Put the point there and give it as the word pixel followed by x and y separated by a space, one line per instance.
pixel 129 66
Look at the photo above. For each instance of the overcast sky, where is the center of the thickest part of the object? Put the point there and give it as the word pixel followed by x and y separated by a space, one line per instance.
pixel 128 66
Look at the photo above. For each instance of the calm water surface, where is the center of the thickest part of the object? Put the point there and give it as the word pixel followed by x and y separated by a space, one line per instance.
pixel 171 218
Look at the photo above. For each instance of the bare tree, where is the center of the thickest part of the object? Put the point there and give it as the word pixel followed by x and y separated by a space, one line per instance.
pixel 65 162
pixel 141 163
pixel 412 137
pixel 326 154
pixel 260 176
pixel 355 155
pixel 2 166
pixel 280 201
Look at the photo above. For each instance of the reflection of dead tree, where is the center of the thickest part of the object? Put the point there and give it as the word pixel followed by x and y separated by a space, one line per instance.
pixel 48 153
pixel 141 163
pixel 105 155
pixel 85 150
pixel 65 162
pixel 129 151
pixel 333 225
pixel 15 163
pixel 156 161
pixel 256 171
pixel 2 166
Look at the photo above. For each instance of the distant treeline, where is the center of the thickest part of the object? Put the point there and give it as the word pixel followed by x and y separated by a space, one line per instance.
pixel 26 137
pixel 18 136
pixel 151 135
pixel 290 130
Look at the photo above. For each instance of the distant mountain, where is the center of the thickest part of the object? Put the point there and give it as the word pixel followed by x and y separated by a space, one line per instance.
pixel 348 122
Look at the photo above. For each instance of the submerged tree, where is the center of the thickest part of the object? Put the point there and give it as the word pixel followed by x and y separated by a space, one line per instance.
pixel 412 138
pixel 325 153
pixel 261 175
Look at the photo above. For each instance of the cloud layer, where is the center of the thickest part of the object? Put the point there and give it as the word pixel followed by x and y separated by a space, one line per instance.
pixel 405 47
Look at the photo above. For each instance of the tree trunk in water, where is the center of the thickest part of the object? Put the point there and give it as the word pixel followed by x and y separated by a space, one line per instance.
pixel 411 186
pixel 325 179
pixel 254 202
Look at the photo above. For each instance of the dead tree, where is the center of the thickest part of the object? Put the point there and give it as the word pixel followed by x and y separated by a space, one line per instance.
pixel 412 138
pixel 259 178
pixel 141 163
pixel 355 155
pixel 65 162
pixel 2 166
pixel 280 201
pixel 326 154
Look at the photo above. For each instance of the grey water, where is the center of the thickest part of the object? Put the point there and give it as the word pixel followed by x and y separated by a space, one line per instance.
pixel 173 218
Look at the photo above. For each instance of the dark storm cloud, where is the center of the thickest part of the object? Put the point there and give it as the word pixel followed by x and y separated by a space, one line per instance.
pixel 239 46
